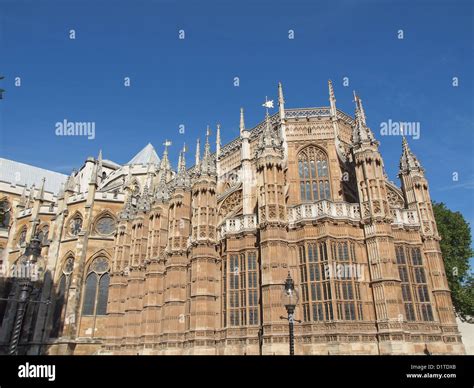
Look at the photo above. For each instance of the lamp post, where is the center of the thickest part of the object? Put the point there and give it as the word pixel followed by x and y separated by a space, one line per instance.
pixel 290 299
pixel 24 270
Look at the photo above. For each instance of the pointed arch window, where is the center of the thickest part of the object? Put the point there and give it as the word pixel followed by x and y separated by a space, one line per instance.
pixel 62 292
pixel 75 225
pixel 313 171
pixel 96 288
pixel 22 237
pixel 43 235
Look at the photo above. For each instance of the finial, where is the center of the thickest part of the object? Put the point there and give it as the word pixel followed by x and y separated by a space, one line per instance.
pixel 218 139
pixel 331 91
pixel 332 99
pixel 242 121
pixel 164 161
pixel 207 147
pixel 41 190
pixel 183 158
pixel 267 104
pixel 362 112
pixel 281 101
pixel 408 160
pixel 198 152
pixel 180 160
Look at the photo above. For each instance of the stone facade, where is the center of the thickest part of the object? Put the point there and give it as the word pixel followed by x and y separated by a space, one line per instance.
pixel 142 259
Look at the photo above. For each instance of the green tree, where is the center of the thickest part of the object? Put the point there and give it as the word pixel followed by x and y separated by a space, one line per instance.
pixel 455 244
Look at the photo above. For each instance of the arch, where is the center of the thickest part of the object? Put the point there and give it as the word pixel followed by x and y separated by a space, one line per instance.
pixel 21 236
pixel 96 285
pixel 230 205
pixel 395 196
pixel 43 233
pixel 74 224
pixel 62 292
pixel 105 223
pixel 314 174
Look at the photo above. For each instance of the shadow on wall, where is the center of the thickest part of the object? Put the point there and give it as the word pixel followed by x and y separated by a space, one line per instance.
pixel 35 327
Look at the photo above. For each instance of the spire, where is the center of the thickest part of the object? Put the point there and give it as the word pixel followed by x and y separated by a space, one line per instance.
pixel 182 179
pixel 149 177
pixel 128 210
pixel 198 152
pixel 208 162
pixel 268 139
pixel 207 146
pixel 183 158
pixel 281 101
pixel 165 163
pixel 99 165
pixel 94 173
pixel 332 99
pixel 408 161
pixel 242 121
pixel 32 193
pixel 162 190
pixel 218 139
pixel 23 196
pixel 40 195
pixel 145 201
pixel 361 133
pixel 179 160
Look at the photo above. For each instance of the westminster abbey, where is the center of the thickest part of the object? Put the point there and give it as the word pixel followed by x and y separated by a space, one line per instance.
pixel 142 258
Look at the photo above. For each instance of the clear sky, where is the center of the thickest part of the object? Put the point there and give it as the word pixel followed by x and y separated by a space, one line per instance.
pixel 191 81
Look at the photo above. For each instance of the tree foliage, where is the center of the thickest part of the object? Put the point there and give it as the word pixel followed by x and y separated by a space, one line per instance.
pixel 455 244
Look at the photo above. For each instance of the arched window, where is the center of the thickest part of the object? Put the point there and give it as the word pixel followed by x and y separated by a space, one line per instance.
pixel 4 214
pixel 96 288
pixel 105 225
pixel 313 170
pixel 62 296
pixel 22 237
pixel 43 235
pixel 75 225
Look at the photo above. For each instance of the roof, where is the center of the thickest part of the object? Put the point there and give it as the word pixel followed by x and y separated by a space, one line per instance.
pixel 147 155
pixel 110 163
pixel 25 175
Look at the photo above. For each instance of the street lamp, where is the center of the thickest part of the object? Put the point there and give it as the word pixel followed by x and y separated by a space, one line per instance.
pixel 26 272
pixel 290 299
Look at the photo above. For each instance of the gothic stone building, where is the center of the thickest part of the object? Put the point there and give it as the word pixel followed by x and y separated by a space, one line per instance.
pixel 142 259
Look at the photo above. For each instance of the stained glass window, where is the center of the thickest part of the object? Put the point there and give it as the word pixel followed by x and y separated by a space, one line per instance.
pixel 75 226
pixel 22 237
pixel 43 235
pixel 97 288
pixel 105 225
pixel 314 174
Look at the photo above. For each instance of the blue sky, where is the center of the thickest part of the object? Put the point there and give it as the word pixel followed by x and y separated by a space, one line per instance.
pixel 190 82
